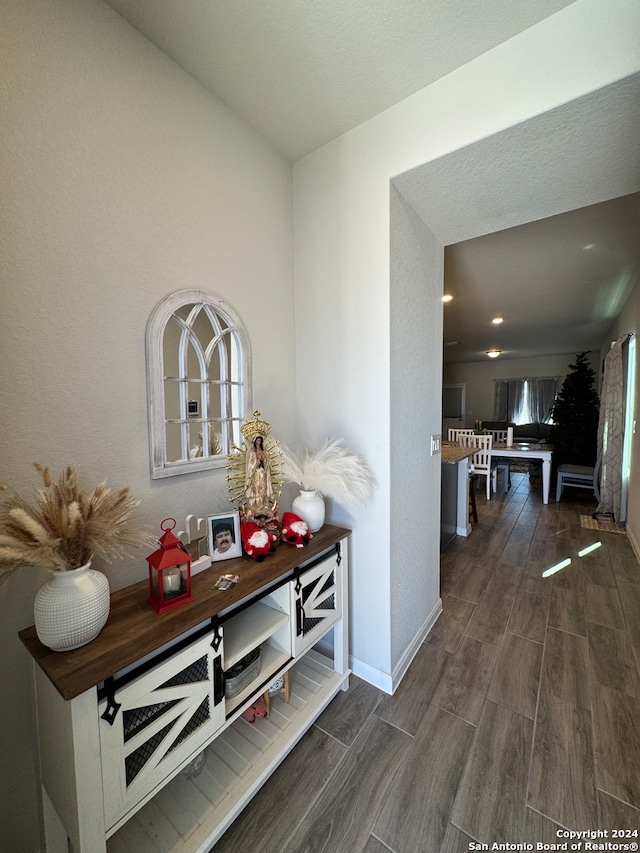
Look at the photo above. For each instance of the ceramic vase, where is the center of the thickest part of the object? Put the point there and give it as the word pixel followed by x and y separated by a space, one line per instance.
pixel 309 505
pixel 71 608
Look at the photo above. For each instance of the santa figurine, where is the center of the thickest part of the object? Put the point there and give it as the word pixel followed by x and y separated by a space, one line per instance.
pixel 295 530
pixel 256 541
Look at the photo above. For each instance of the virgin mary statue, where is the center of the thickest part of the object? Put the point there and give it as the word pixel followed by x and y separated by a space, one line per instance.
pixel 257 467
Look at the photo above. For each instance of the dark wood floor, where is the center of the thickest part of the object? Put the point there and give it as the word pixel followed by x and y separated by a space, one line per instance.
pixel 519 717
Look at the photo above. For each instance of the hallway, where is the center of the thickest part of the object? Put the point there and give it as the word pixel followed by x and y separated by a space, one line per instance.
pixel 517 719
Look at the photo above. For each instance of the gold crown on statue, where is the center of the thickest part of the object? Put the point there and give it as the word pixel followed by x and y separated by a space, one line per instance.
pixel 250 429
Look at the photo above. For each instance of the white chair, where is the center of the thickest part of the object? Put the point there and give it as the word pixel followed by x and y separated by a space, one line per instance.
pixel 481 459
pixel 454 433
pixel 579 477
pixel 500 437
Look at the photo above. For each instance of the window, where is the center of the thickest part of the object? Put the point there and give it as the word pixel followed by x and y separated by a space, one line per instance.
pixel 525 401
pixel 198 379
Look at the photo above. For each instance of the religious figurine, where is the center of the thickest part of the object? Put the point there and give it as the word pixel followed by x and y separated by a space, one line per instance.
pixel 257 473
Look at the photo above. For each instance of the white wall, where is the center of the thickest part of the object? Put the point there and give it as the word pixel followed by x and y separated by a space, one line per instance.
pixel 479 378
pixel 123 180
pixel 415 285
pixel 342 262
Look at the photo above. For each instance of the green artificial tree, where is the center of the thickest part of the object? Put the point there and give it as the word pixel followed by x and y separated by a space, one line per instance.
pixel 575 413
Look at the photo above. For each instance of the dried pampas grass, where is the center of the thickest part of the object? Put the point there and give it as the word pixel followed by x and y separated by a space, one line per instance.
pixel 334 472
pixel 67 525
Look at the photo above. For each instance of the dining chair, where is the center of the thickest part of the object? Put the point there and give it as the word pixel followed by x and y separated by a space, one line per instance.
pixel 580 477
pixel 455 432
pixel 502 464
pixel 481 459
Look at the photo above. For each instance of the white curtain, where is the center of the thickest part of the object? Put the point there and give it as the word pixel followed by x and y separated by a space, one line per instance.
pixel 611 431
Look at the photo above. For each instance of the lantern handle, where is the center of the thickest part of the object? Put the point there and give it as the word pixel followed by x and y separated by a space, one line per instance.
pixel 164 521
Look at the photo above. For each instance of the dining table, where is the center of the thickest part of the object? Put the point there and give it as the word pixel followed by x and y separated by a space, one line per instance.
pixel 528 452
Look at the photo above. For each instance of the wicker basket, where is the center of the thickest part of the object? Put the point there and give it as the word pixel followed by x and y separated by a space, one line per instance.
pixel 241 674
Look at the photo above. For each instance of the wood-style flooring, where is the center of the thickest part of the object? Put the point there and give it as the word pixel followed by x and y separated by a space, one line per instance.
pixel 518 718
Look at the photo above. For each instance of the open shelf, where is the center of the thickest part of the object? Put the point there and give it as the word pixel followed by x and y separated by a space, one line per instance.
pixel 190 814
pixel 248 629
pixel 272 661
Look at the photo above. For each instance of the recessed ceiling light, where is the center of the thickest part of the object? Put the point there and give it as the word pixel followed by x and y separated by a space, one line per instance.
pixel 447 297
pixel 589 246
pixel 494 353
pixel 497 320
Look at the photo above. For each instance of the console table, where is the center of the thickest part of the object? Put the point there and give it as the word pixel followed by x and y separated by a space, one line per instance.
pixel 121 720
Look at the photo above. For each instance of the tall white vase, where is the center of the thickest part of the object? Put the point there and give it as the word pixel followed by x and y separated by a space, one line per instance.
pixel 71 608
pixel 309 505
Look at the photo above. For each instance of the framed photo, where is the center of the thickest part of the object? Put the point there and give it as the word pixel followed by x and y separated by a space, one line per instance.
pixel 224 536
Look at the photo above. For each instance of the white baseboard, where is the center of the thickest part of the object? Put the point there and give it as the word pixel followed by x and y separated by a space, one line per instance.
pixel 388 682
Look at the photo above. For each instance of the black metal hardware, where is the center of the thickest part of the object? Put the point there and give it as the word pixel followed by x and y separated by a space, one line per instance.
pixel 111 711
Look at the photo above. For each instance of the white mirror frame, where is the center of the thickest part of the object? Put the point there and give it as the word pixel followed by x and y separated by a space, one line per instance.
pixel 162 314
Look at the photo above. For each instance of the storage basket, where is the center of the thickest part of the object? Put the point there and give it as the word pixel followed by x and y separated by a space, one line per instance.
pixel 241 674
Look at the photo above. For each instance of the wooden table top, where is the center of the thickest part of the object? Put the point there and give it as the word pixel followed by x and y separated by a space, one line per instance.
pixel 134 629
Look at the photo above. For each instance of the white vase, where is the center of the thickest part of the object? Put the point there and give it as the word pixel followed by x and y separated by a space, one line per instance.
pixel 309 505
pixel 71 608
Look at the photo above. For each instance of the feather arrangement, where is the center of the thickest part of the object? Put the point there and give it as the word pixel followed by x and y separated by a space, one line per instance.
pixel 334 472
pixel 67 525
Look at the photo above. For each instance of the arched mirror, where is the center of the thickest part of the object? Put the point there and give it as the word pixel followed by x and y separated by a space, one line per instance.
pixel 198 382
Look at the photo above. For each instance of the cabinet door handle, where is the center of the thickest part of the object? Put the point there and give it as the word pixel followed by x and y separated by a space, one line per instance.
pixel 299 617
pixel 218 681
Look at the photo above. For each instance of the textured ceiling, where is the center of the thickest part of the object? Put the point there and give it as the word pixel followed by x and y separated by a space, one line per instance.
pixel 302 72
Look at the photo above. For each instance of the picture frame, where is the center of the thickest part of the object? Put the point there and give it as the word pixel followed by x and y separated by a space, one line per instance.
pixel 219 546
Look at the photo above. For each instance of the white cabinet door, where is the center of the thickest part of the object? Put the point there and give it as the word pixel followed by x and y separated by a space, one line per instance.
pixel 316 601
pixel 159 721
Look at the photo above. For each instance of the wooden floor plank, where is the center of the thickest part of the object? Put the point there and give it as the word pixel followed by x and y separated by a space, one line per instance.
pixel 567 611
pixel 491 798
pixel 563 784
pixel 465 682
pixel 348 712
pixel 617 740
pixel 408 705
pixel 529 616
pixel 342 817
pixel 603 606
pixel 517 675
pixel 612 660
pixel 266 824
pixel 451 624
pixel 415 813
pixel 565 671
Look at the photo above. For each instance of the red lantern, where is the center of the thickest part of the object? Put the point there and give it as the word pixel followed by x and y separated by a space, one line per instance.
pixel 169 571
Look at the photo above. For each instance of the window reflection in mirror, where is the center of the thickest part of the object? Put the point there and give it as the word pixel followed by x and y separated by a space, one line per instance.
pixel 198 362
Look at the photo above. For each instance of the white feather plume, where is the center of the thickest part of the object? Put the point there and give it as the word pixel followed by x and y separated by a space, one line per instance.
pixel 333 471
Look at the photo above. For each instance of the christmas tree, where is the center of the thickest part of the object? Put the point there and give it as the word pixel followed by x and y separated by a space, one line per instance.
pixel 575 413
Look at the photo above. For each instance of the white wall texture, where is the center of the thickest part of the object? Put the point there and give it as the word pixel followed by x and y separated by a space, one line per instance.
pixel 479 377
pixel 123 180
pixel 342 260
pixel 415 287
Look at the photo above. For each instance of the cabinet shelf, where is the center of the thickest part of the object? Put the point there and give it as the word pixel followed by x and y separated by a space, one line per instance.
pixel 248 629
pixel 272 661
pixel 192 814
